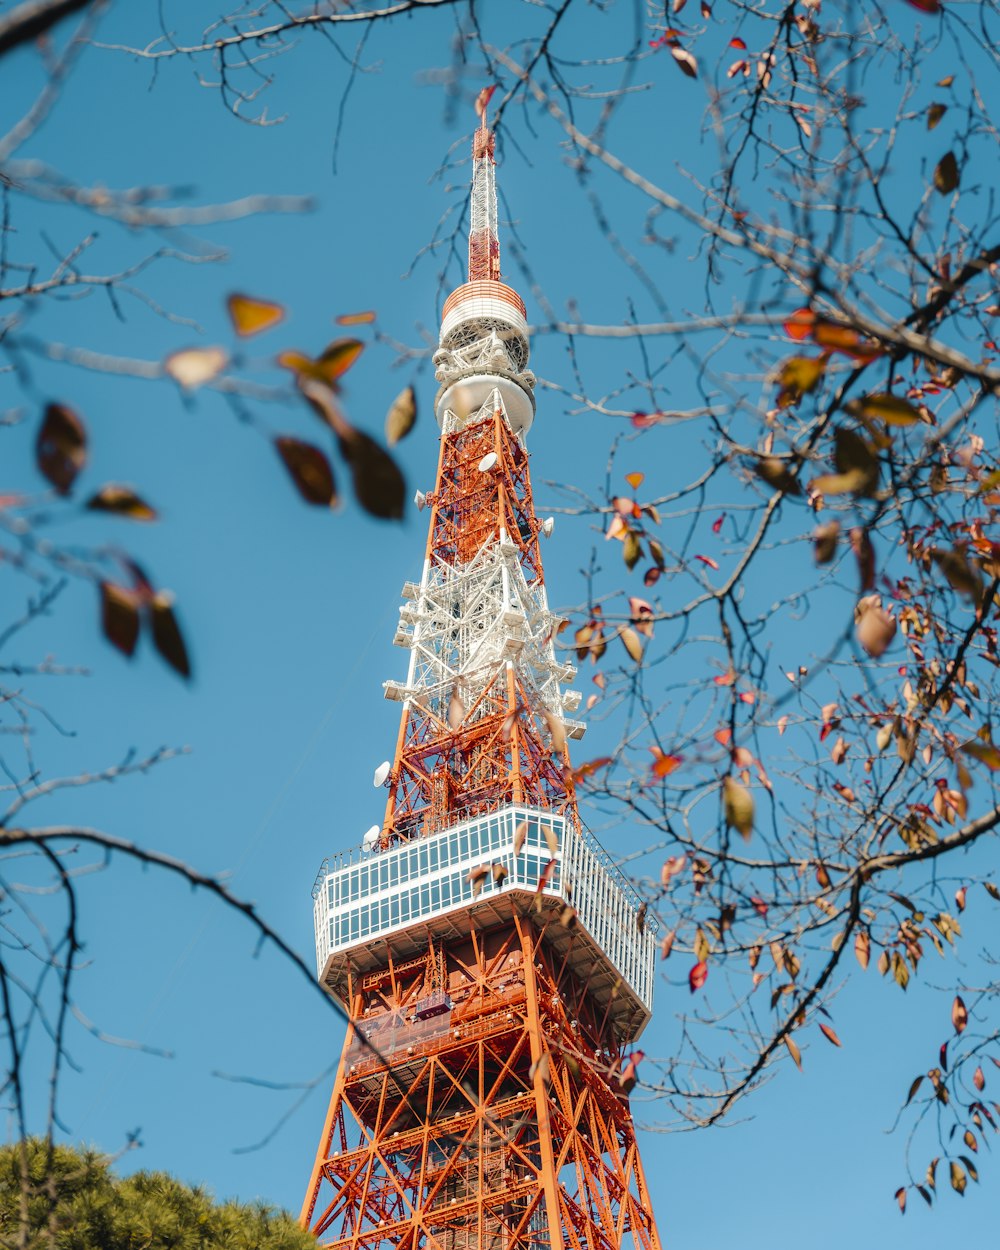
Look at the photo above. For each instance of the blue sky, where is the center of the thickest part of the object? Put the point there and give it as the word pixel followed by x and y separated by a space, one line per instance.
pixel 290 613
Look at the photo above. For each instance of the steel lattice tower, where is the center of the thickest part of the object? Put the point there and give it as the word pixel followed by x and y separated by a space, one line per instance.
pixel 495 963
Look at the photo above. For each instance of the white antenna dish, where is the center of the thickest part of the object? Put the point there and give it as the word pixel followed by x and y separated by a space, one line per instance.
pixel 420 499
pixel 370 838
pixel 488 462
pixel 548 525
pixel 381 773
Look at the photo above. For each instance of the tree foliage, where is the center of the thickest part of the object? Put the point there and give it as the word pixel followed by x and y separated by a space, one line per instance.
pixel 53 1195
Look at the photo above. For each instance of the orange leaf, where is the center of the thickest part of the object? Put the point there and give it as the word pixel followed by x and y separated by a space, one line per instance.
pixel 355 319
pixel 635 480
pixel 663 765
pixel 253 316
pixel 829 1034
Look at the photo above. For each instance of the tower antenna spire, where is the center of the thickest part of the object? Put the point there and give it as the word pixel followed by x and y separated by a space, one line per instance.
pixel 484 241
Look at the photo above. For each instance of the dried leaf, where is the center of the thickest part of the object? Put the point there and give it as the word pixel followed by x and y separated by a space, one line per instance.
pixel 309 469
pixel 499 873
pixel 195 366
pixel 632 643
pixel 356 319
pixel 456 710
pixel 946 174
pixel 935 112
pixel 61 447
pixel 520 836
pixel 829 1034
pixel 778 475
pixel 958 1180
pixel 900 1196
pixel 862 947
pixel 686 61
pixel 797 377
pixel 121 501
pixel 167 637
pixel 738 806
pixel 825 538
pixel 401 417
pixel 794 1051
pixel 698 976
pixel 875 627
pixel 635 480
pixel 959 1014
pixel 551 841
pixel 557 729
pixel 253 316
pixel 667 945
pixel 120 616
pixel 476 877
pixel 887 408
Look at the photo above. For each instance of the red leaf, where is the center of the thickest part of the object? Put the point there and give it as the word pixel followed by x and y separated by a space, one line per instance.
pixel 698 976
pixel 737 43
pixel 707 560
pixel 759 906
pixel 799 325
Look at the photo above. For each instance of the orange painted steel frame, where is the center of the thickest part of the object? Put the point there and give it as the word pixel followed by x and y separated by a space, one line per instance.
pixel 499 1124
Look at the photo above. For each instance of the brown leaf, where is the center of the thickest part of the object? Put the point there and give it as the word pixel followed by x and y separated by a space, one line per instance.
pixel 979 1079
pixel 499 872
pixel 121 501
pixel 862 947
pixel 667 945
pixel 309 469
pixel 631 550
pixel 900 1196
pixel 378 484
pixel 476 877
pixel 120 616
pixel 825 538
pixel 935 112
pixel 959 1014
pixel 829 1034
pixel 864 553
pixel 551 841
pixel 167 637
pixel 946 174
pixel 794 1051
pixel 401 417
pixel 61 447
pixel 253 316
pixel 520 835
pixel 777 474
pixel 874 626
pixel 686 61
pixel 958 1180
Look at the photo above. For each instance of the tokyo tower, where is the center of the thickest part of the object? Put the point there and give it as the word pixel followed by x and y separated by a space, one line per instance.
pixel 496 966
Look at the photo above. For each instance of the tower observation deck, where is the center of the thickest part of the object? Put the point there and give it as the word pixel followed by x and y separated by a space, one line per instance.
pixel 496 965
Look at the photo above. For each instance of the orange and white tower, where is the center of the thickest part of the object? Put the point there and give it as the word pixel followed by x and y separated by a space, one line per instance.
pixel 496 965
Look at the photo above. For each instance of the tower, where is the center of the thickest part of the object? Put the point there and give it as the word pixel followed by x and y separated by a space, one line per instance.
pixel 497 967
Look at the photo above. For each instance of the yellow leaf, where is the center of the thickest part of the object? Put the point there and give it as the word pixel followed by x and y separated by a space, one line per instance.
pixel 631 642
pixel 797 376
pixel 737 803
pixel 253 316
pixel 958 1181
pixel 888 408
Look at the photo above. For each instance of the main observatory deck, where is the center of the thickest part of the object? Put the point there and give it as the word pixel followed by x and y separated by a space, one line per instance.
pixel 362 901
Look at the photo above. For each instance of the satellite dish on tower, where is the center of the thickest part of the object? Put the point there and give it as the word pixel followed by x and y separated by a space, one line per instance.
pixel 370 838
pixel 548 525
pixel 420 499
pixel 488 462
pixel 381 773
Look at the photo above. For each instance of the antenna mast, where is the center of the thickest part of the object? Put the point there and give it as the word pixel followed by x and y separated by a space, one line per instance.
pixel 484 241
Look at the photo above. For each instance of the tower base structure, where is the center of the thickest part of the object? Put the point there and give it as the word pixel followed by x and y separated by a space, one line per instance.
pixel 480 1102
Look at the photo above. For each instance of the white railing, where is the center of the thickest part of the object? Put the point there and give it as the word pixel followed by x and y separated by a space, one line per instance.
pixel 372 895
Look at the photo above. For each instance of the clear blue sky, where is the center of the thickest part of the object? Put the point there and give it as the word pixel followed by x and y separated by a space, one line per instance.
pixel 290 613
